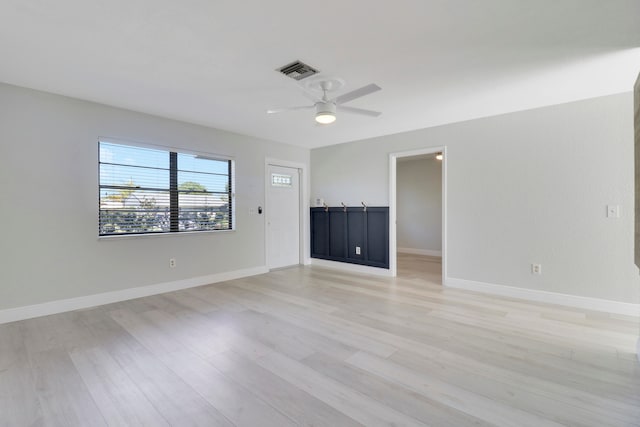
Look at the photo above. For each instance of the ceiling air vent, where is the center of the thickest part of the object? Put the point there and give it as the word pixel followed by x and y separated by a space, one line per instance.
pixel 297 70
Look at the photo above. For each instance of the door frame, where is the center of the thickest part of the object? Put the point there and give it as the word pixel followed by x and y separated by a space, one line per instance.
pixel 304 256
pixel 393 213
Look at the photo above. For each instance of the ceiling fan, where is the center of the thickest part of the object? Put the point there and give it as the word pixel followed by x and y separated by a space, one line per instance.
pixel 326 107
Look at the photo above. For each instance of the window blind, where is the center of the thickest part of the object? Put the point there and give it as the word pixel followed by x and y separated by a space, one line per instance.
pixel 147 190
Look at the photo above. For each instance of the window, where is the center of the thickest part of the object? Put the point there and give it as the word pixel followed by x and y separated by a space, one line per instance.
pixel 279 180
pixel 145 190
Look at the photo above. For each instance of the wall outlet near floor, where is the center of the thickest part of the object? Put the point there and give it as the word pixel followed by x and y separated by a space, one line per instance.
pixel 357 250
pixel 536 268
pixel 172 263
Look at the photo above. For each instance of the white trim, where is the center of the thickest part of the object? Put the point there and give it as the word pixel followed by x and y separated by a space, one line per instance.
pixel 575 301
pixel 116 237
pixel 393 237
pixel 353 268
pixel 305 228
pixel 413 251
pixel 60 306
pixel 638 349
pixel 393 216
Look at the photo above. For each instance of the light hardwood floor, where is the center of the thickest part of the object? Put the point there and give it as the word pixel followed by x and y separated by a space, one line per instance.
pixel 311 346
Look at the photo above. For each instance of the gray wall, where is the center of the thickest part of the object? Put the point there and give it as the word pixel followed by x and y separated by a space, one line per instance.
pixel 49 247
pixel 526 187
pixel 419 204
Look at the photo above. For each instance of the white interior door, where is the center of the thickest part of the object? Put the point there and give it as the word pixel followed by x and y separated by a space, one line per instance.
pixel 283 216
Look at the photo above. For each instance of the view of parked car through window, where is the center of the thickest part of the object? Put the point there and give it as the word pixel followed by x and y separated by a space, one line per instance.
pixel 148 190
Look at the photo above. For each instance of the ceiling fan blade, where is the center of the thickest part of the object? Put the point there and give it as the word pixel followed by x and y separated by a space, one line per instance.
pixel 350 96
pixel 360 111
pixel 282 110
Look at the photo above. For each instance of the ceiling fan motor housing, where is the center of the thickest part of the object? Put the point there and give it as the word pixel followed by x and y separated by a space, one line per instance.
pixel 325 108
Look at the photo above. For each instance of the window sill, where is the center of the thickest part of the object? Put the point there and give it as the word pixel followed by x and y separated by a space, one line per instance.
pixel 156 235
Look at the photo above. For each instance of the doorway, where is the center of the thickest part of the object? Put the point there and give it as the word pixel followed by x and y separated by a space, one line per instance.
pixel 283 216
pixel 417 212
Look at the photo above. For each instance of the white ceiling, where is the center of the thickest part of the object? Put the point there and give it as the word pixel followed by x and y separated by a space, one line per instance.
pixel 212 62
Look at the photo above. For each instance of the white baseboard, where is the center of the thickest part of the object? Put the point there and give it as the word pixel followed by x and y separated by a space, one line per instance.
pixel 60 306
pixel 353 268
pixel 427 252
pixel 575 301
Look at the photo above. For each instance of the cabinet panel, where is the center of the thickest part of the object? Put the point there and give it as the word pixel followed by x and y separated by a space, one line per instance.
pixel 320 233
pixel 356 234
pixel 378 237
pixel 335 234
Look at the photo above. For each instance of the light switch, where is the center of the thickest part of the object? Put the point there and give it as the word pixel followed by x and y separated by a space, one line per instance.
pixel 613 211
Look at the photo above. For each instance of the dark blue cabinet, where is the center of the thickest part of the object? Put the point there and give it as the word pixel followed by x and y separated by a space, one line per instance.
pixel 352 235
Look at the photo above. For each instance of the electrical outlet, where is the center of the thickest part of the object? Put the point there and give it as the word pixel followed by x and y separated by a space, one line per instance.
pixel 357 250
pixel 172 263
pixel 536 268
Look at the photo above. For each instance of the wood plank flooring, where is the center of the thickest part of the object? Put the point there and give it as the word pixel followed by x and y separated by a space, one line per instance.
pixel 312 346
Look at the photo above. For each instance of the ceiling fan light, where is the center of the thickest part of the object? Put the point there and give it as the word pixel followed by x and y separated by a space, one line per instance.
pixel 325 117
